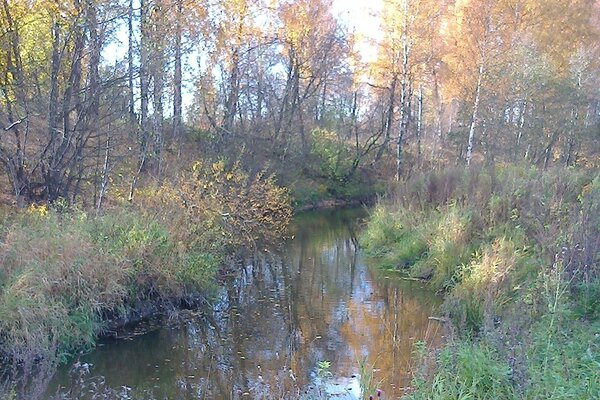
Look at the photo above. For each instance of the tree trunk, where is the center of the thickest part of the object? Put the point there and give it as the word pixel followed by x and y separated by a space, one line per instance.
pixel 15 161
pixel 549 148
pixel 53 121
pixel 177 80
pixel 474 116
pixel 231 103
pixel 571 138
pixel 105 170
pixel 130 65
pixel 403 94
pixel 158 116
pixel 419 122
pixel 574 123
pixel 94 67
pixel 523 110
pixel 93 100
pixel 144 84
pixel 389 120
pixel 438 105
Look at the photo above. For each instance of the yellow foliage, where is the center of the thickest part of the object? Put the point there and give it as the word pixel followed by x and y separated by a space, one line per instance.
pixel 40 210
pixel 244 211
pixel 489 276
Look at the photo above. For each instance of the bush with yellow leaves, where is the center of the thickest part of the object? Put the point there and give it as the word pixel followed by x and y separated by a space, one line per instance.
pixel 224 206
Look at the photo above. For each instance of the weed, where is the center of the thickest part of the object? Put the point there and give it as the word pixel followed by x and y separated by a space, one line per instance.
pixel 516 251
pixel 368 384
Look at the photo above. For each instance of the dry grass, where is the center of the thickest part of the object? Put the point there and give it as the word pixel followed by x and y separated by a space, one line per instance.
pixel 517 253
pixel 63 271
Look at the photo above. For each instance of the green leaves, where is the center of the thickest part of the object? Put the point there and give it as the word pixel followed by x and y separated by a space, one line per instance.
pixel 324 369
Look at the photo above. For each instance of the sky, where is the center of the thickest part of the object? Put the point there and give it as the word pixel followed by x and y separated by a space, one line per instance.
pixel 359 16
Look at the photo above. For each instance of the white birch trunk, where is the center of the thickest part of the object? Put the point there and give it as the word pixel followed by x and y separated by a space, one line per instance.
pixel 521 127
pixel 475 116
pixel 404 84
pixel 419 121
pixel 130 65
pixel 438 105
pixel 105 169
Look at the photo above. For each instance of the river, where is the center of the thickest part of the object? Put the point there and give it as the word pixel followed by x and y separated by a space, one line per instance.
pixel 302 323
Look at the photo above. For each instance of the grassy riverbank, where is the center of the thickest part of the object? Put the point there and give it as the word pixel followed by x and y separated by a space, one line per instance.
pixel 65 272
pixel 62 272
pixel 516 253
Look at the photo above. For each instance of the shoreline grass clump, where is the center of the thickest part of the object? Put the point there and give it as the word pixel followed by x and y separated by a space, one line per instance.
pixel 62 273
pixel 65 273
pixel 516 253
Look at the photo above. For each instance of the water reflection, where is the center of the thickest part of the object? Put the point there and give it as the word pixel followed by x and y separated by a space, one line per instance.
pixel 274 323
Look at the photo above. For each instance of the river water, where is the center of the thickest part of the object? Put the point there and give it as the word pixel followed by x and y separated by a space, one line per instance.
pixel 317 303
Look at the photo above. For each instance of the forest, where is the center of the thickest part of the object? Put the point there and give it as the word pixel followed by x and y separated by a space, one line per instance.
pixel 147 146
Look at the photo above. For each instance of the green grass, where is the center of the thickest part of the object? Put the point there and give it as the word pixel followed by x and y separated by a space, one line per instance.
pixel 466 371
pixel 60 272
pixel 565 368
pixel 565 360
pixel 394 238
pixel 586 300
pixel 517 256
pixel 433 244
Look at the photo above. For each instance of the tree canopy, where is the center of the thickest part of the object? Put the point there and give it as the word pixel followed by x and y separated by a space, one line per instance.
pixel 98 94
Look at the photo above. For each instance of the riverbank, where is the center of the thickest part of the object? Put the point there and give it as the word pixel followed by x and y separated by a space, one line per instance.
pixel 516 253
pixel 339 203
pixel 68 275
pixel 326 194
pixel 318 287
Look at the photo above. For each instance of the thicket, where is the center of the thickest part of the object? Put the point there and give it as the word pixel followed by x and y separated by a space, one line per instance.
pixel 65 271
pixel 517 253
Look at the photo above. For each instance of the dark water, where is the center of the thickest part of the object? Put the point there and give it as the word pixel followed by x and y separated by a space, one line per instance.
pixel 269 328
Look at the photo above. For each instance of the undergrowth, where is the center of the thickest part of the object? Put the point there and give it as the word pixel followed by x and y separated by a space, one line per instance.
pixel 65 271
pixel 516 252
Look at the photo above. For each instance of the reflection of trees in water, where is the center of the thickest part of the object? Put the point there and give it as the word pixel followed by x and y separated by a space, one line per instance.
pixel 386 330
pixel 293 295
pixel 280 316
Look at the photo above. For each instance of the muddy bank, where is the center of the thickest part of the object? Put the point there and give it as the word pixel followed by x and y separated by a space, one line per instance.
pixel 147 315
pixel 332 204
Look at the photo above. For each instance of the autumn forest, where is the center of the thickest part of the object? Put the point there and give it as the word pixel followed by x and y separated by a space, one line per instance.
pixel 151 149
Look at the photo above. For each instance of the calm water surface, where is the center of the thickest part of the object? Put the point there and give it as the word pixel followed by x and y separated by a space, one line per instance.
pixel 319 300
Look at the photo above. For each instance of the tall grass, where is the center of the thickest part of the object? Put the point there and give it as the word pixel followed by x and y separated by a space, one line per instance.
pixel 65 272
pixel 60 272
pixel 440 224
pixel 467 371
pixel 517 254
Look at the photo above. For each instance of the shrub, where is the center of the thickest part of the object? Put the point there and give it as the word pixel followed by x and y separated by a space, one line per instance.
pixel 220 206
pixel 517 253
pixel 333 155
pixel 55 284
pixel 63 270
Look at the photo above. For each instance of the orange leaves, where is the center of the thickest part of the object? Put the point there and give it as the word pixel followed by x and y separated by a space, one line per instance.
pixel 244 211
pixel 308 30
